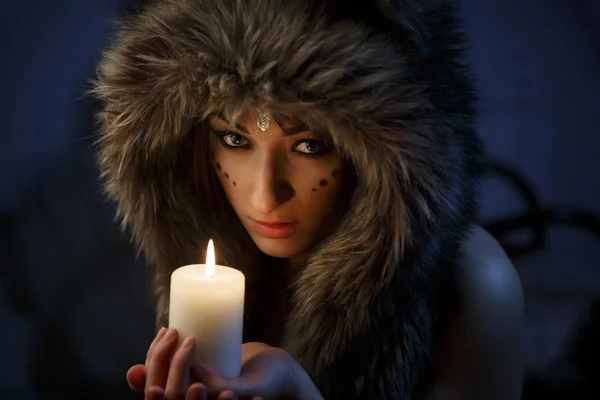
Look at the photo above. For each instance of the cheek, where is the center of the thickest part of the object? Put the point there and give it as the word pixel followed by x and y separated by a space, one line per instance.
pixel 222 168
pixel 319 190
pixel 226 174
pixel 319 200
pixel 326 181
pixel 225 171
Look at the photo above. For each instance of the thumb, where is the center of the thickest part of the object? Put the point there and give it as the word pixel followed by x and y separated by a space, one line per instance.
pixel 245 385
pixel 209 376
pixel 136 377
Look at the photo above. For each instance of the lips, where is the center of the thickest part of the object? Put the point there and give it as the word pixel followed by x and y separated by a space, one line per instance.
pixel 277 230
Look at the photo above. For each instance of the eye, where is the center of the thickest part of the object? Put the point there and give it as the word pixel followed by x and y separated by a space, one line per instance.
pixel 231 140
pixel 234 139
pixel 311 146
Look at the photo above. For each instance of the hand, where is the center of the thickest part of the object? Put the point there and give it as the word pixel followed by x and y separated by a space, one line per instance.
pixel 267 373
pixel 166 373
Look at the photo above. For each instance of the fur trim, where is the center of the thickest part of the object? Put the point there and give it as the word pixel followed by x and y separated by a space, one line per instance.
pixel 388 83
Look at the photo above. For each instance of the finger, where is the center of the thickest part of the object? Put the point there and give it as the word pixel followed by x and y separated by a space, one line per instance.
pixel 155 393
pixel 217 384
pixel 136 377
pixel 197 391
pixel 157 369
pixel 227 395
pixel 210 377
pixel 161 333
pixel 246 385
pixel 251 349
pixel 179 375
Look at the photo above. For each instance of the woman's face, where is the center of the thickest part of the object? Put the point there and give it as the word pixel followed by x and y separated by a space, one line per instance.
pixel 282 182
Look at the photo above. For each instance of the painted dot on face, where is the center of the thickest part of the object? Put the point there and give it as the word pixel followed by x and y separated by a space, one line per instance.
pixel 226 175
pixel 323 182
pixel 234 184
pixel 335 173
pixel 314 189
pixel 218 166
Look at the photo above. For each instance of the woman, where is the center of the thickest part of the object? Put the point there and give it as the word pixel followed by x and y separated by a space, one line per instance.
pixel 328 148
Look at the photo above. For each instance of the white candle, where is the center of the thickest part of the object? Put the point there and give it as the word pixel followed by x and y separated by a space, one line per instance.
pixel 207 303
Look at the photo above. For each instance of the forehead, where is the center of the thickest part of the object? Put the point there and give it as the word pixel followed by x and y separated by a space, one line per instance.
pixel 289 125
pixel 252 114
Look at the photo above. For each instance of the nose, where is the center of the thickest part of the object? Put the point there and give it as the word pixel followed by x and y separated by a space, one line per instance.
pixel 271 189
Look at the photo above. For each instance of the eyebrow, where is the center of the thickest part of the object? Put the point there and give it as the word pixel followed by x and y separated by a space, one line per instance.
pixel 240 127
pixel 299 128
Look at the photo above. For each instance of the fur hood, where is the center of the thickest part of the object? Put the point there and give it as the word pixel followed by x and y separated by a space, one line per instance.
pixel 386 79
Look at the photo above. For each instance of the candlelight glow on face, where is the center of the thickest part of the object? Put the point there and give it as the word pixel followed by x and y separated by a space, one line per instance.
pixel 210 260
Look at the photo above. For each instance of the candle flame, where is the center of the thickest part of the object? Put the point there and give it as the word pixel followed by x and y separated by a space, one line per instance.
pixel 210 260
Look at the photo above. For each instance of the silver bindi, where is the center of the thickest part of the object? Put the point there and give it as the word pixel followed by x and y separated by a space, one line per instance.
pixel 262 120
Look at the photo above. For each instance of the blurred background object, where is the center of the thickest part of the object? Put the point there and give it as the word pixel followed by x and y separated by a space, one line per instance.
pixel 74 301
pixel 562 345
pixel 75 305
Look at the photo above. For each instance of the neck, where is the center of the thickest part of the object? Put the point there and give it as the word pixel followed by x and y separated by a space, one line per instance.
pixel 295 264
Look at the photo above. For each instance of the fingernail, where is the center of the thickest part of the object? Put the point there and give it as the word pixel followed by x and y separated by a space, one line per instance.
pixel 225 395
pixel 170 334
pixel 230 395
pixel 161 332
pixel 202 392
pixel 155 393
pixel 188 343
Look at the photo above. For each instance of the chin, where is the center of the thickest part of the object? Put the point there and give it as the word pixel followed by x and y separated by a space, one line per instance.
pixel 288 247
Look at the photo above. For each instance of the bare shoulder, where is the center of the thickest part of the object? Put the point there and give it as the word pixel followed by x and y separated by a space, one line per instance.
pixel 491 313
pixel 490 284
pixel 481 356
